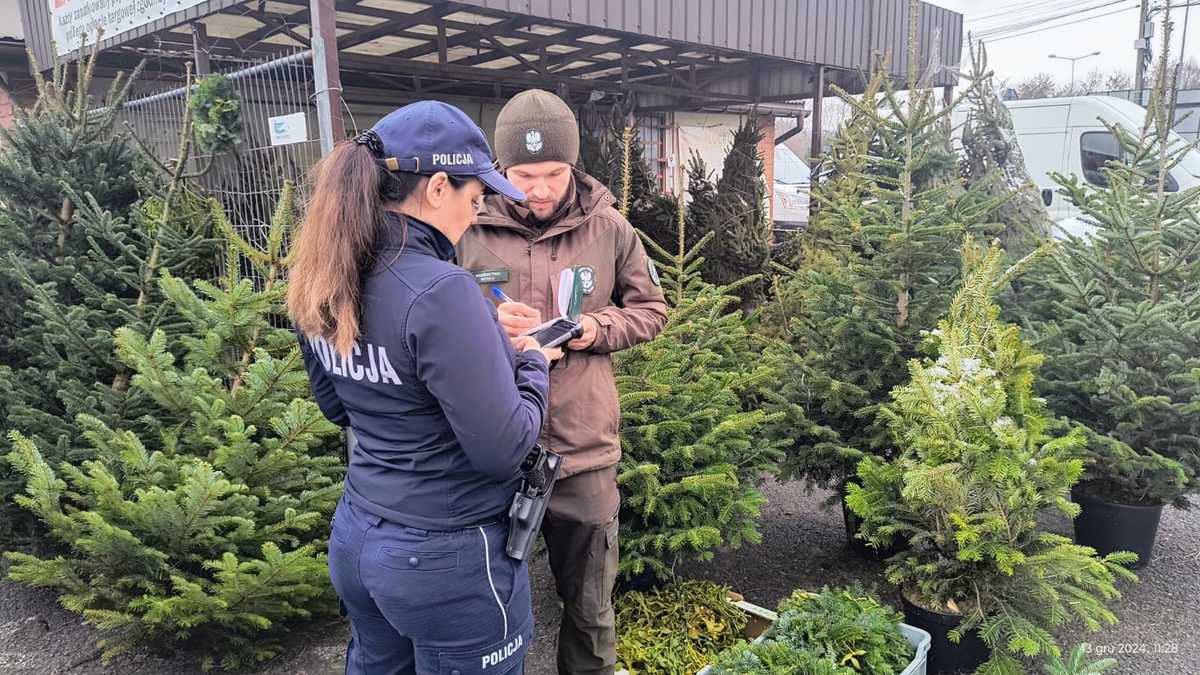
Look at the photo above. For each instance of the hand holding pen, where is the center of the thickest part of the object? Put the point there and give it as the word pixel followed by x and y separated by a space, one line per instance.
pixel 515 317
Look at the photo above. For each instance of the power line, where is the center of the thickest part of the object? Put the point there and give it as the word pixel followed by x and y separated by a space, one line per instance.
pixel 1041 22
pixel 1016 27
pixel 1042 19
pixel 1010 11
pixel 1061 25
pixel 1025 13
pixel 1056 10
pixel 1032 13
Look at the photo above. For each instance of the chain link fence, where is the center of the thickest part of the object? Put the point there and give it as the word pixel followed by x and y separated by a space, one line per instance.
pixel 279 139
pixel 278 143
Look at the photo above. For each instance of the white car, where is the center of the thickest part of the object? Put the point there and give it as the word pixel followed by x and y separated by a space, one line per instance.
pixel 790 192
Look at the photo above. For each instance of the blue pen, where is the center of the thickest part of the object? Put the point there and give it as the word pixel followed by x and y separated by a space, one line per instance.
pixel 500 295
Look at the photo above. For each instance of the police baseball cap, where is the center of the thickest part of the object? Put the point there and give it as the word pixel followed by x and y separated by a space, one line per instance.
pixel 430 136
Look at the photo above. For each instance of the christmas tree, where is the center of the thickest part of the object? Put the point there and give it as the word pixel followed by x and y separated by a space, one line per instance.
pixel 992 162
pixel 61 146
pixel 88 223
pixel 876 267
pixel 733 209
pixel 52 153
pixel 979 461
pixel 694 445
pixel 743 243
pixel 1122 323
pixel 611 152
pixel 210 529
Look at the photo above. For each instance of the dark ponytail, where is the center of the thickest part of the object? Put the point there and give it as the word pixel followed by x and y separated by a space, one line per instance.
pixel 349 190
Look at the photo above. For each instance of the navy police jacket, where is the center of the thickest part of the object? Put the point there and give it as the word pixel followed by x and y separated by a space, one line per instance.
pixel 443 408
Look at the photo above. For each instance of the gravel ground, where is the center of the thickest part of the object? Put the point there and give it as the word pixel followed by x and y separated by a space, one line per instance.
pixel 804 547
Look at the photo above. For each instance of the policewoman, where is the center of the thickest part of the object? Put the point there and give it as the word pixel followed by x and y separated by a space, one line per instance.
pixel 401 348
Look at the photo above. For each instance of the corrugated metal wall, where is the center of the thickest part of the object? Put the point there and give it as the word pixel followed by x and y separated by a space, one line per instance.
pixel 890 27
pixel 35 18
pixel 839 33
pixel 35 22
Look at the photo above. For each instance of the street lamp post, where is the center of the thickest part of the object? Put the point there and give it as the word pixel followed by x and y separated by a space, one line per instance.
pixel 1073 59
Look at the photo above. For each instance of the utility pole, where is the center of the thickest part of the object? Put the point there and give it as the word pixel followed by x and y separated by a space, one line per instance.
pixel 1142 45
pixel 327 77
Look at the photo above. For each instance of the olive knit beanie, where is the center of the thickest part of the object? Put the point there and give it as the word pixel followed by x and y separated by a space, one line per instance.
pixel 536 126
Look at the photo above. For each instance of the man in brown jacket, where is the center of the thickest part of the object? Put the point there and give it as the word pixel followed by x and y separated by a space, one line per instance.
pixel 569 221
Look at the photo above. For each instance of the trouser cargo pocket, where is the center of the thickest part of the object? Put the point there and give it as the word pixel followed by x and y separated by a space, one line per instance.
pixel 504 656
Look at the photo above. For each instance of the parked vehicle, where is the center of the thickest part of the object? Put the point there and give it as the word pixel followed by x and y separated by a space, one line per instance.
pixel 790 192
pixel 1066 135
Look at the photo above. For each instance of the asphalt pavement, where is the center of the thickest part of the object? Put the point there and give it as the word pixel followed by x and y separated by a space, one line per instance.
pixel 803 546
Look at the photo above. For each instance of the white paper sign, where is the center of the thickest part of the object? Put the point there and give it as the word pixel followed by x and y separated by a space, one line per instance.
pixel 73 22
pixel 287 129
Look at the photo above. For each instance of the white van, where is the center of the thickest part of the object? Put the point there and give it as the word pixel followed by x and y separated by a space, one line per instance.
pixel 1065 135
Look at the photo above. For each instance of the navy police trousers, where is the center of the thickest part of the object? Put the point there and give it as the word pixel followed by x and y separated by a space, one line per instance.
pixel 446 603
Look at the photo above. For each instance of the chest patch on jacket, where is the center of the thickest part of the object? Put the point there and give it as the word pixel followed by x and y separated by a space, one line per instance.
pixel 497 276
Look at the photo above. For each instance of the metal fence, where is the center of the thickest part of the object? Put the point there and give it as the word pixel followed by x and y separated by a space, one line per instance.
pixel 276 96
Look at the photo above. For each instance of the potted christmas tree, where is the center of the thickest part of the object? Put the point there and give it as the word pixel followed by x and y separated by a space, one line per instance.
pixel 977 464
pixel 1118 318
pixel 875 267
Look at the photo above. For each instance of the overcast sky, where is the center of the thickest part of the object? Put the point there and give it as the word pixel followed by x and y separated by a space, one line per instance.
pixel 1018 57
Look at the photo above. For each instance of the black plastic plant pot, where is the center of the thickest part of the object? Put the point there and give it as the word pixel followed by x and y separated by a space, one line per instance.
pixel 1110 526
pixel 644 582
pixel 946 657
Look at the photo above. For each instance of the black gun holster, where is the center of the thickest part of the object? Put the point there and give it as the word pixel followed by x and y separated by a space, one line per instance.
pixel 539 472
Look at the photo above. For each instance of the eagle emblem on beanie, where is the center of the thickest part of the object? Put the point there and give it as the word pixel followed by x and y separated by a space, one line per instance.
pixel 536 126
pixel 533 141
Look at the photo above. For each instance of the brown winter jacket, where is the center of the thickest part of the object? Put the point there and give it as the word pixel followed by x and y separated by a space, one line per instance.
pixel 623 295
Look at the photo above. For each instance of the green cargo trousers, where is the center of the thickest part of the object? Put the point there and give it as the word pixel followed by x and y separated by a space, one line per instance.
pixel 580 529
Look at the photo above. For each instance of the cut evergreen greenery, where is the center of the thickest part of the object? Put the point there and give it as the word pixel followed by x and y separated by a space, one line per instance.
pixel 837 631
pixel 216 113
pixel 847 625
pixel 1118 316
pixel 87 224
pixel 204 524
pixel 676 630
pixel 978 462
pixel 876 266
pixel 773 657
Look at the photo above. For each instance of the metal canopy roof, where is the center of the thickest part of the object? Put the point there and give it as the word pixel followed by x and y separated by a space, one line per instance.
pixel 674 53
